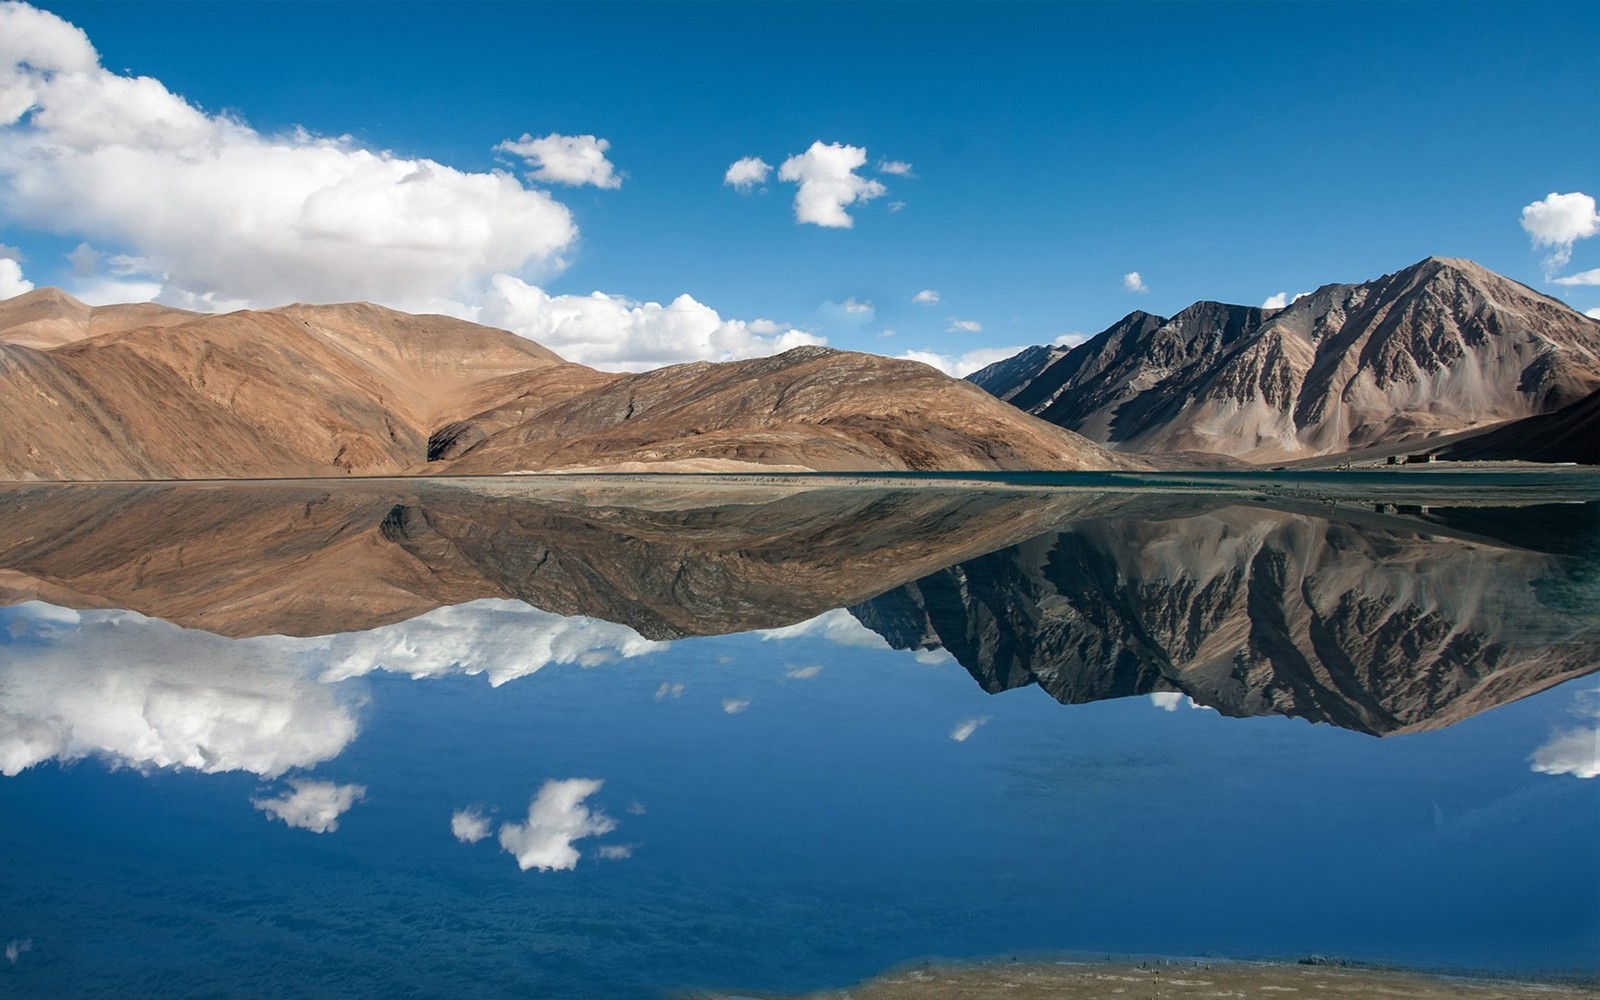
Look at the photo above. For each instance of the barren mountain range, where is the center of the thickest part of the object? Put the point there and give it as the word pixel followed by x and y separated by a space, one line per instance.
pixel 147 392
pixel 1374 622
pixel 144 391
pixel 1440 348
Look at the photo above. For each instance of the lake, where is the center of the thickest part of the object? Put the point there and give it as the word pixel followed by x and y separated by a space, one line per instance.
pixel 635 736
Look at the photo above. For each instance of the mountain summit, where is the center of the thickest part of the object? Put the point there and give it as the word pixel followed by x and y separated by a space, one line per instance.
pixel 1441 347
pixel 147 392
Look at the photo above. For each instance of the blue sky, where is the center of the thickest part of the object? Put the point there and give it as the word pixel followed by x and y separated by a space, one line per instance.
pixel 1218 151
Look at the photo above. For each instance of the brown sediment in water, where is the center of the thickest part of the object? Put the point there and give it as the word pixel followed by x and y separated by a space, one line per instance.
pixel 1144 980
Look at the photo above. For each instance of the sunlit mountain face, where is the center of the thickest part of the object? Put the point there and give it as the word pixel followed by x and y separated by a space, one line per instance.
pixel 603 739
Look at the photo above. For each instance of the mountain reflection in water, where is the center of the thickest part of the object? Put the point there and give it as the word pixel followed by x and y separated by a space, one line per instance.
pixel 1370 620
pixel 324 733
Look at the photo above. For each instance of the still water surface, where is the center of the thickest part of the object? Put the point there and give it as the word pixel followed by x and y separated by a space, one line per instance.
pixel 426 739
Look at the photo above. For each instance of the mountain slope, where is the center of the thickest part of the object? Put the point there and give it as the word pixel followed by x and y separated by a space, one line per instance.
pixel 146 392
pixel 1440 347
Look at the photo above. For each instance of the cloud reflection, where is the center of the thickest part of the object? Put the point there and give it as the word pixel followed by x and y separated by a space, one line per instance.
pixel 312 805
pixel 557 818
pixel 140 692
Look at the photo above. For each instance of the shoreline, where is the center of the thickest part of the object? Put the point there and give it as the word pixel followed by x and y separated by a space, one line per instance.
pixel 1492 483
pixel 1082 978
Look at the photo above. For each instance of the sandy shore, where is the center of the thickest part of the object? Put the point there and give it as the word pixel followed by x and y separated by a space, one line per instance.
pixel 1144 980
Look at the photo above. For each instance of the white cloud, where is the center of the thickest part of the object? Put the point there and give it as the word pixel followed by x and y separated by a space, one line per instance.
pixel 614 852
pixel 802 673
pixel 829 182
pixel 1592 313
pixel 933 657
pixel 961 365
pixel 12 283
pixel 837 626
pixel 1134 283
pixel 669 689
pixel 1590 277
pixel 927 297
pixel 312 805
pixel 857 308
pixel 898 168
pixel 733 706
pixel 1569 751
pixel 1558 221
pixel 619 334
pixel 556 818
pixel 1278 301
pixel 222 209
pixel 140 692
pixel 1171 701
pixel 965 326
pixel 746 173
pixel 469 825
pixel 896 206
pixel 565 159
pixel 964 730
pixel 501 639
pixel 1070 339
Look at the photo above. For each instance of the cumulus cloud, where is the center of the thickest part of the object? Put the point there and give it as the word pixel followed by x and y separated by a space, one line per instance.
pixel 501 639
pixel 961 365
pixel 964 730
pixel 12 283
pixel 469 825
pixel 1569 751
pixel 140 692
pixel 1070 339
pixel 573 160
pixel 620 334
pixel 1282 300
pixel 1134 283
pixel 557 818
pixel 1558 221
pixel 1592 313
pixel 221 209
pixel 837 626
pixel 746 173
pixel 312 805
pixel 828 183
pixel 898 168
pixel 1171 701
pixel 926 297
pixel 733 706
pixel 965 326
pixel 1590 277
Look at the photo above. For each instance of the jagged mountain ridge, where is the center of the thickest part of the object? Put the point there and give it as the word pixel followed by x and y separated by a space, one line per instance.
pixel 1441 347
pixel 146 392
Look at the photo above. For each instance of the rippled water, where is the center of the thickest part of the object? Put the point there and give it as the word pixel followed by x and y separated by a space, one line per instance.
pixel 393 739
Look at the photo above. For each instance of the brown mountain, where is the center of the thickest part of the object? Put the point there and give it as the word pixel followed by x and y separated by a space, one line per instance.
pixel 146 392
pixel 1441 347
